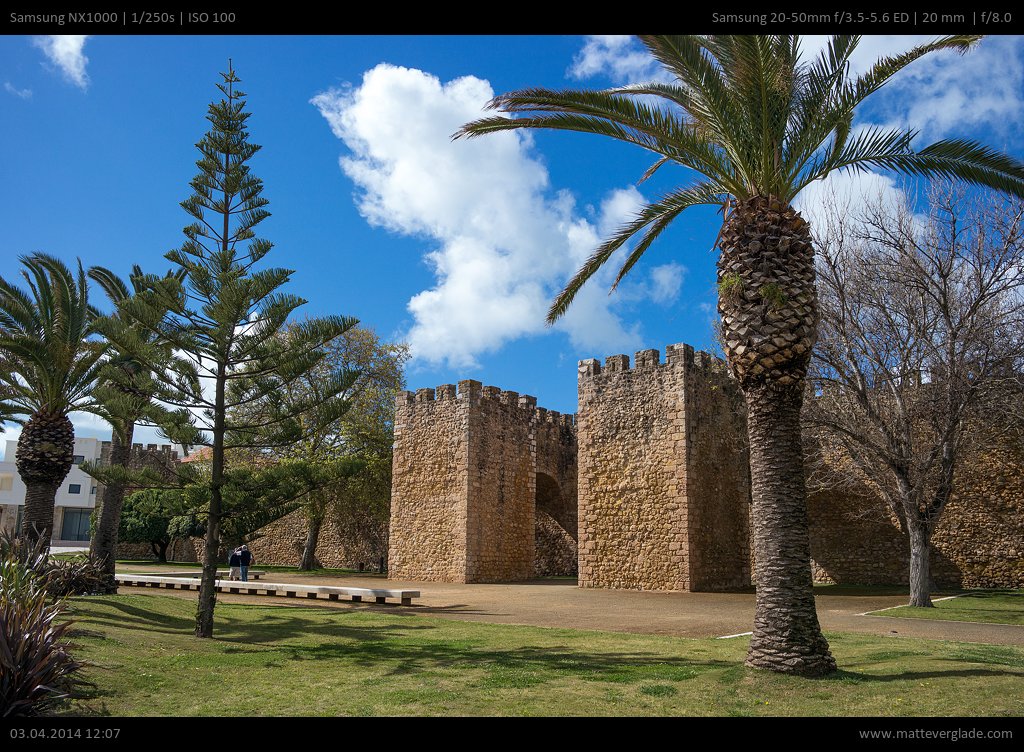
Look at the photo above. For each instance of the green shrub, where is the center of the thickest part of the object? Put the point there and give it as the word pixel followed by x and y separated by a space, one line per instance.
pixel 36 670
pixel 62 577
pixel 75 576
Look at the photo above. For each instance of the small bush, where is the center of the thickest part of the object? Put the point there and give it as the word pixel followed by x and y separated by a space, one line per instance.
pixel 62 577
pixel 36 670
pixel 75 576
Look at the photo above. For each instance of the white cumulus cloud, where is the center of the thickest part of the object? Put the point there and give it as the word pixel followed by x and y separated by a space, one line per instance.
pixel 501 242
pixel 66 51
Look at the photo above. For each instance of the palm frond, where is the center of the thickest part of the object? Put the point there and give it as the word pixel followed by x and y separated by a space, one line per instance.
pixel 654 217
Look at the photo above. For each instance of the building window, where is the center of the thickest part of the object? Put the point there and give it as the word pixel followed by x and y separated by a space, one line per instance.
pixel 92 490
pixel 76 525
pixel 74 488
pixel 6 482
pixel 21 512
pixel 78 459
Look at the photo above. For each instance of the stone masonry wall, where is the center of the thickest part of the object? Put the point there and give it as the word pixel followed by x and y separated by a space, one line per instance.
pixel 281 542
pixel 632 511
pixel 502 487
pixel 429 487
pixel 554 549
pixel 979 541
pixel 717 478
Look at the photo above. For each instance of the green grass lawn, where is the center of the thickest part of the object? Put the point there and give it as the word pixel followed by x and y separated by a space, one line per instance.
pixel 992 606
pixel 297 660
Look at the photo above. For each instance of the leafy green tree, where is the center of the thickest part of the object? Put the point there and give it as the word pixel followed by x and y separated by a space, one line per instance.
pixel 48 366
pixel 360 496
pixel 146 517
pixel 754 123
pixel 222 321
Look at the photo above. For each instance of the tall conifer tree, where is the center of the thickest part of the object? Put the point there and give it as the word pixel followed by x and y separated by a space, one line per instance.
pixel 223 319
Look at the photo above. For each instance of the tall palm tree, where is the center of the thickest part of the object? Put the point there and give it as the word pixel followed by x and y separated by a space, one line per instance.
pixel 756 124
pixel 124 396
pixel 49 370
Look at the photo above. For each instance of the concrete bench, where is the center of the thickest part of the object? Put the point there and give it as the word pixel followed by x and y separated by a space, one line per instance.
pixel 270 588
pixel 254 574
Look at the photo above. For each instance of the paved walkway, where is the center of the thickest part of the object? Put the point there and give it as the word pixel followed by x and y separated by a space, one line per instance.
pixel 560 603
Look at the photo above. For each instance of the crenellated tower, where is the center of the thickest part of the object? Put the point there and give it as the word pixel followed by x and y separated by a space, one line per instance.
pixel 663 473
pixel 482 478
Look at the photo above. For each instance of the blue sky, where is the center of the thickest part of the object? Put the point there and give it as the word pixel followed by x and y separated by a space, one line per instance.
pixel 455 248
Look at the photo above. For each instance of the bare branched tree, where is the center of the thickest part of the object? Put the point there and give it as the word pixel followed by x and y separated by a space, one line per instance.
pixel 920 349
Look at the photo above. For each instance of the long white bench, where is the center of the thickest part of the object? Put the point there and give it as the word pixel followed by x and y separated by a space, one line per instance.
pixel 270 588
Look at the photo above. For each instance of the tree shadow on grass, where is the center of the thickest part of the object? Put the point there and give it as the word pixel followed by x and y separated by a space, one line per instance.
pixel 851 676
pixel 241 627
pixel 508 667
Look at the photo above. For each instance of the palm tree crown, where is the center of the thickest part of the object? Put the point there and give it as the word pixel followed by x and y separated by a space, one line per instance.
pixel 44 339
pixel 750 116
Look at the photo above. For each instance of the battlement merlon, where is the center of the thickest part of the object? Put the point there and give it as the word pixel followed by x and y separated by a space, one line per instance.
pixel 675 355
pixel 470 391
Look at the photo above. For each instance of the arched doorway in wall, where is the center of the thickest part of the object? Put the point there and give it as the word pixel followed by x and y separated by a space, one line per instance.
pixel 555 545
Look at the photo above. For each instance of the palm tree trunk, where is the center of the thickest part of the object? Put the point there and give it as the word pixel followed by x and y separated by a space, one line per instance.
pixel 37 519
pixel 769 307
pixel 920 563
pixel 312 539
pixel 104 544
pixel 787 636
pixel 44 455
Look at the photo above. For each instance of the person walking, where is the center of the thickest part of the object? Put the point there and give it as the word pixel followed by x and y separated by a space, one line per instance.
pixel 235 562
pixel 245 558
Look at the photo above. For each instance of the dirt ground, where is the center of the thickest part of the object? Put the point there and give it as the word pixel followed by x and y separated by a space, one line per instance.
pixel 560 603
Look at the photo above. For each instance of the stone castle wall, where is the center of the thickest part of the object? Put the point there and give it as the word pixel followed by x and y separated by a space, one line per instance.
pixel 978 543
pixel 485 489
pixel 633 516
pixel 281 542
pixel 717 478
pixel 662 488
pixel 502 486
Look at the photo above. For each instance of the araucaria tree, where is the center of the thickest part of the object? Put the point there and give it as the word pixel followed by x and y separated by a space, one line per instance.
pixel 48 365
pixel 222 321
pixel 754 122
pixel 920 350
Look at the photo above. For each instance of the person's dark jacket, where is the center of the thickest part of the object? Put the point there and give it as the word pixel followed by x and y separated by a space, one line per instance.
pixel 245 558
pixel 235 560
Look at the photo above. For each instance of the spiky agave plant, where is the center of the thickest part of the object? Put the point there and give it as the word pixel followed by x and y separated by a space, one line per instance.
pixel 754 123
pixel 36 669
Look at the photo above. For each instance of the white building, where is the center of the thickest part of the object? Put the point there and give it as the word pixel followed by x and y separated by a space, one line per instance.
pixel 76 498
